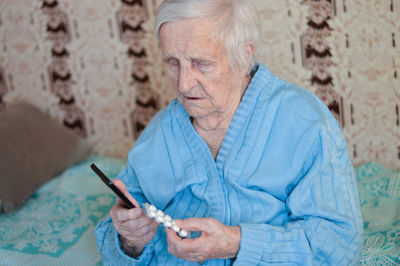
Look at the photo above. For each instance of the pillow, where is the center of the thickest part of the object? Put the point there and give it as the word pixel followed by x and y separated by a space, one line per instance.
pixel 33 149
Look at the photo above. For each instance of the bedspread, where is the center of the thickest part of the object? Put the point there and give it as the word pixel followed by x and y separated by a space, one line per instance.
pixel 379 190
pixel 55 226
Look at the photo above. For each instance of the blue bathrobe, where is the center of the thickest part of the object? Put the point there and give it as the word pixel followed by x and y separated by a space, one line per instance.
pixel 282 174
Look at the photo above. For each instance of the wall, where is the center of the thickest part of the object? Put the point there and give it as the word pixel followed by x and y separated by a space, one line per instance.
pixel 94 65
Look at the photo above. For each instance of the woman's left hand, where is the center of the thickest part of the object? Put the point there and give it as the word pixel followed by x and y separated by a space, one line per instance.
pixel 216 241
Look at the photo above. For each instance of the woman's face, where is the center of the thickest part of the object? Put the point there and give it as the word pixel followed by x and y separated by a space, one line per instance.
pixel 199 68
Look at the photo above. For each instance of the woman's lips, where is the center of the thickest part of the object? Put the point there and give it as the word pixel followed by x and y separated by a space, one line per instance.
pixel 193 98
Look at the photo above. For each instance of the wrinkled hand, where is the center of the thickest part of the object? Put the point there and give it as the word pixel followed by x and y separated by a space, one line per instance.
pixel 216 241
pixel 135 228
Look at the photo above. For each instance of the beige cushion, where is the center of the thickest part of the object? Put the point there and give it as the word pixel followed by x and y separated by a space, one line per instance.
pixel 33 149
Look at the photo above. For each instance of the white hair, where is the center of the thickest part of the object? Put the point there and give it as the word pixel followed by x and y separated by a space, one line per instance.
pixel 237 20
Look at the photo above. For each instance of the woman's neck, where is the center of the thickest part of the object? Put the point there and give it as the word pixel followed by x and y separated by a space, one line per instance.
pixel 212 133
pixel 213 127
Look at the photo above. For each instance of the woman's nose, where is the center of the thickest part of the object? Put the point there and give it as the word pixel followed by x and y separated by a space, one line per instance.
pixel 186 80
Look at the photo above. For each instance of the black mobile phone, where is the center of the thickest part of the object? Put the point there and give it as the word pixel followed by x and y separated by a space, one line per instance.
pixel 110 184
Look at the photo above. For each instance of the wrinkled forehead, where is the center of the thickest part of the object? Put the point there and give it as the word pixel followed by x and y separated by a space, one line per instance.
pixel 189 33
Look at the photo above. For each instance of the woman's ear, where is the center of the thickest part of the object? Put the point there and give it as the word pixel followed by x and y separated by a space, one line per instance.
pixel 249 56
pixel 249 51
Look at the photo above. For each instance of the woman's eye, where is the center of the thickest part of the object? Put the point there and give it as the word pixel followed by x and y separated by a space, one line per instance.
pixel 203 65
pixel 172 62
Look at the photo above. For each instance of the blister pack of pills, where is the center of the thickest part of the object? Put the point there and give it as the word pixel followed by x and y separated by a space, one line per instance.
pixel 164 219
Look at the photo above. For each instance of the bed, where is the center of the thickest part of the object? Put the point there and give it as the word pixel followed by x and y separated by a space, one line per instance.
pixel 55 226
pixel 379 190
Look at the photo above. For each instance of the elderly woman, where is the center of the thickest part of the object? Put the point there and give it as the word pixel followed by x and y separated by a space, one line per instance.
pixel 257 165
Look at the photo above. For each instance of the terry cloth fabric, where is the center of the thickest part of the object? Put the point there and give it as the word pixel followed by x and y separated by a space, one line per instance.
pixel 282 174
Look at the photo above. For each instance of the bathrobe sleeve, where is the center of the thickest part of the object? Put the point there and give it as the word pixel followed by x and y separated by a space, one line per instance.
pixel 107 237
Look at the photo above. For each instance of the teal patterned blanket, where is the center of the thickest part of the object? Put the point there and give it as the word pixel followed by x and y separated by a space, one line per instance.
pixel 55 226
pixel 379 190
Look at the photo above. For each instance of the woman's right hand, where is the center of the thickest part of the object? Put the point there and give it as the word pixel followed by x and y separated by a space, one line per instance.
pixel 135 228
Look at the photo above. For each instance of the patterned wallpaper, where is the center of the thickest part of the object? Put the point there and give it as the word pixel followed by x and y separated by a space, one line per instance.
pixel 94 65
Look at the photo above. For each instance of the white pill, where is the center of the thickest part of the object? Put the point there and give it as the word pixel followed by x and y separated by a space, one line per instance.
pixel 175 228
pixel 183 233
pixel 152 208
pixel 151 214
pixel 167 223
pixel 159 219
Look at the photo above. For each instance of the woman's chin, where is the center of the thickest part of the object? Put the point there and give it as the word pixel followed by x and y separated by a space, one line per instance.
pixel 195 110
